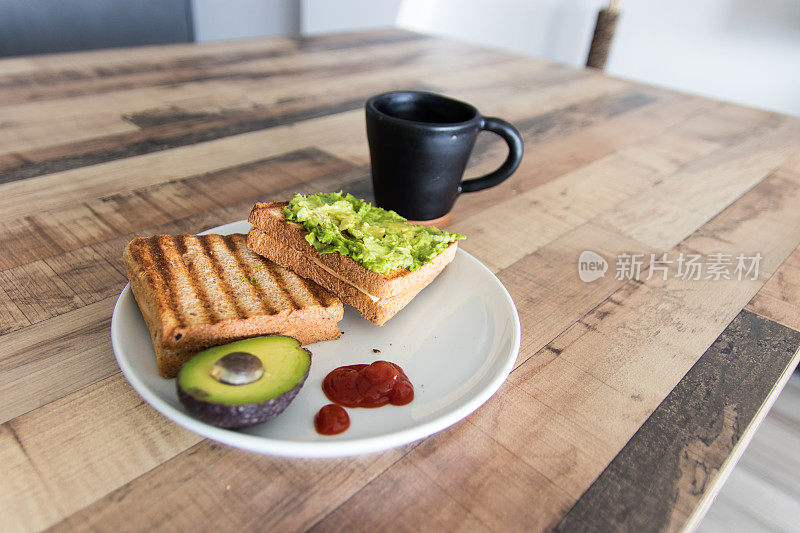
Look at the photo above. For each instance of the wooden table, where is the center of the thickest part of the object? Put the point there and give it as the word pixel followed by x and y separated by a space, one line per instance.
pixel 632 395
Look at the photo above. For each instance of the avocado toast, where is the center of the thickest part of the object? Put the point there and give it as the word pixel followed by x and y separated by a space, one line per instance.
pixel 394 260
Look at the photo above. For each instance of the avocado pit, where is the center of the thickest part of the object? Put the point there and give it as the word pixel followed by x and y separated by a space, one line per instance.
pixel 238 368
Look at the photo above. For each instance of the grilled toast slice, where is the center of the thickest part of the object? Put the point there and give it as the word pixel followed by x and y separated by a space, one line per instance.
pixel 269 218
pixel 199 291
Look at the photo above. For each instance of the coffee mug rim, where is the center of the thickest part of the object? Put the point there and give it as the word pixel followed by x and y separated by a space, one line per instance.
pixel 476 115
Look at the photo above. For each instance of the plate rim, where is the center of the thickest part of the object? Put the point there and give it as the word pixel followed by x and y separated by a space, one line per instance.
pixel 317 449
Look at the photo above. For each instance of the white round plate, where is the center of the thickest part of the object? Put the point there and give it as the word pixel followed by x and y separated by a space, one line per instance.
pixel 457 341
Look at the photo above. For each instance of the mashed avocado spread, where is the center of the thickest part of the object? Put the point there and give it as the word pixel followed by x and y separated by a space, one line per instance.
pixel 380 240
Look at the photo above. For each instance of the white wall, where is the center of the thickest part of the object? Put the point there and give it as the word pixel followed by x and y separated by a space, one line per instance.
pixel 745 51
pixel 216 20
pixel 560 30
pixel 331 16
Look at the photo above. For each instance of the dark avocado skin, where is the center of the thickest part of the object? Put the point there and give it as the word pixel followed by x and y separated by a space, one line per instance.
pixel 239 416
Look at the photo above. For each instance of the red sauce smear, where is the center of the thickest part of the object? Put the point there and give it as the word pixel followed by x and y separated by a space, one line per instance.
pixel 371 385
pixel 332 419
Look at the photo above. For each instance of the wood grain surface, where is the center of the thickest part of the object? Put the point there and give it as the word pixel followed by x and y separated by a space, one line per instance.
pixel 662 459
pixel 97 148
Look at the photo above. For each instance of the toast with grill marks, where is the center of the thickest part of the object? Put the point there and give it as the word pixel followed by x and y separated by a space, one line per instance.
pixel 199 291
pixel 376 296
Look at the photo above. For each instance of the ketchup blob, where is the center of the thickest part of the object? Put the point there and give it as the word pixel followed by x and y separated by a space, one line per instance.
pixel 372 385
pixel 332 419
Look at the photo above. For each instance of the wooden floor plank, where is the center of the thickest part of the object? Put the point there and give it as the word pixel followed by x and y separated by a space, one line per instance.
pixel 90 277
pixel 792 165
pixel 38 292
pixel 50 68
pixel 56 357
pixel 779 299
pixel 388 496
pixel 558 448
pixel 72 227
pixel 98 73
pixel 58 190
pixel 676 333
pixel 546 160
pixel 103 219
pixel 547 292
pixel 487 479
pixel 11 318
pixel 230 105
pixel 24 242
pixel 681 448
pixel 76 447
pixel 49 129
pixel 673 209
pixel 572 199
pixel 27 504
pixel 255 490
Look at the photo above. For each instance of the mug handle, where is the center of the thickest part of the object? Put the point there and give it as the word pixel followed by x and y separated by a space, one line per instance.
pixel 514 141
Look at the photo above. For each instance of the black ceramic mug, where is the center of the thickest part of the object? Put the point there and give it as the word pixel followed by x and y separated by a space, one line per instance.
pixel 419 145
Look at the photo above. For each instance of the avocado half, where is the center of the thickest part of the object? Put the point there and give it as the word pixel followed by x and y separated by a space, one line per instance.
pixel 245 382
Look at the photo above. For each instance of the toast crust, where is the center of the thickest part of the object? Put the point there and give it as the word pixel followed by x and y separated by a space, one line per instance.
pixel 199 291
pixel 269 218
pixel 377 310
